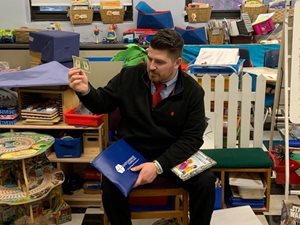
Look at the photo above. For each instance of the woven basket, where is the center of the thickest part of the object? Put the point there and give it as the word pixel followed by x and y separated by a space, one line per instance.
pixel 81 16
pixel 22 34
pixel 253 12
pixel 198 15
pixel 216 36
pixel 110 16
pixel 278 16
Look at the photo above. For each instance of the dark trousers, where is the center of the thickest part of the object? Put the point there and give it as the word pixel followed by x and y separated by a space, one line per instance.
pixel 201 189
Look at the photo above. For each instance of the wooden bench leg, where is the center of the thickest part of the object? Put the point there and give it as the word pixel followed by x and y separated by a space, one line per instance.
pixel 105 219
pixel 185 219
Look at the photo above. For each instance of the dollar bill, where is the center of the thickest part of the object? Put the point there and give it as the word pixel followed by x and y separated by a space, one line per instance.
pixel 81 63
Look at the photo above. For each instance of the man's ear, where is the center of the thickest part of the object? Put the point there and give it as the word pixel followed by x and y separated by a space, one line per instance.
pixel 178 62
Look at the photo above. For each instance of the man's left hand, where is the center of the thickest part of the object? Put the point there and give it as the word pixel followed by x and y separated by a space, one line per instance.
pixel 147 173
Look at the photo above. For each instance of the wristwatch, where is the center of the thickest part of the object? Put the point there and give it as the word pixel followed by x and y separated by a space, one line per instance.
pixel 159 170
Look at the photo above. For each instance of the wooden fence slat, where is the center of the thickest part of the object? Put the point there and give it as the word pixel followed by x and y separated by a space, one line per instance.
pixel 232 114
pixel 206 85
pixel 219 111
pixel 245 111
pixel 258 112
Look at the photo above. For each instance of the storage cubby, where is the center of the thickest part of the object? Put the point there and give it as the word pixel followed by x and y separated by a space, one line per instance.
pixel 64 97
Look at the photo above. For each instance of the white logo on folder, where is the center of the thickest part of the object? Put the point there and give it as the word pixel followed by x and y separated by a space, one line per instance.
pixel 120 168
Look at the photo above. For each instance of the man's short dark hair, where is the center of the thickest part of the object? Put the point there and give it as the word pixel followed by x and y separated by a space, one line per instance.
pixel 168 39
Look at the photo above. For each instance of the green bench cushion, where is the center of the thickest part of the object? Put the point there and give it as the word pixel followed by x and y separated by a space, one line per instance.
pixel 240 157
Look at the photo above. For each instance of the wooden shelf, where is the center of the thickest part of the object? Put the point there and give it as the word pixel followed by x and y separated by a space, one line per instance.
pixel 20 125
pixel 84 158
pixel 80 199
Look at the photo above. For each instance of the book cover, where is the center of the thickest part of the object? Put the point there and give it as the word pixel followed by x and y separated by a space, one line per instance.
pixel 290 213
pixel 242 27
pixel 115 163
pixel 194 165
pixel 247 21
pixel 234 31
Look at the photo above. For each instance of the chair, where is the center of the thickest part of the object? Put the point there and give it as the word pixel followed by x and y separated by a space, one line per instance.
pixel 176 207
pixel 237 131
pixel 177 197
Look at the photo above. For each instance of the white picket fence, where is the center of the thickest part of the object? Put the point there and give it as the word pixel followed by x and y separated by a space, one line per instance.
pixel 236 107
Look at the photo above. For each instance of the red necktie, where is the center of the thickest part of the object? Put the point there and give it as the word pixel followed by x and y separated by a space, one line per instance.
pixel 156 98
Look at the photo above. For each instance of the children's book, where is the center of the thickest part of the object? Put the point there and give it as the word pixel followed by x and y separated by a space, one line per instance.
pixel 290 213
pixel 194 165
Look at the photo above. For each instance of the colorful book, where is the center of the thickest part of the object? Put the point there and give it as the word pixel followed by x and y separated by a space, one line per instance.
pixel 116 161
pixel 290 213
pixel 194 165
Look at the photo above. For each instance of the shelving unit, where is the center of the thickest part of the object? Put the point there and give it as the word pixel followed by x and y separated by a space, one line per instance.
pixel 79 198
pixel 66 99
pixel 32 183
pixel 287 85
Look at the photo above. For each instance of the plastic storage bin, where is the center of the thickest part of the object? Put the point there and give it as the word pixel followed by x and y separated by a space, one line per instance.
pixel 68 147
pixel 82 119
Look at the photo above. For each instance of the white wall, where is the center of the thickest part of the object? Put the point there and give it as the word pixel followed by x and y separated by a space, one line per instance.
pixel 16 13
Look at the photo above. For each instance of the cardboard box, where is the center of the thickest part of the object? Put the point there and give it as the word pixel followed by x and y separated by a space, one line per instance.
pixel 92 143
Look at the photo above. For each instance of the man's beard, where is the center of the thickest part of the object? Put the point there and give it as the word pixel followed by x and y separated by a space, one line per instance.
pixel 153 75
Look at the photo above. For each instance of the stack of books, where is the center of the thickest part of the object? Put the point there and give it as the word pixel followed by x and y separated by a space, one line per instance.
pixel 8 106
pixel 8 116
pixel 246 189
pixel 242 26
pixel 41 114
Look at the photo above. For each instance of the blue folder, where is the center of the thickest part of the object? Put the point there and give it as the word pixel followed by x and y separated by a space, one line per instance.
pixel 115 163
